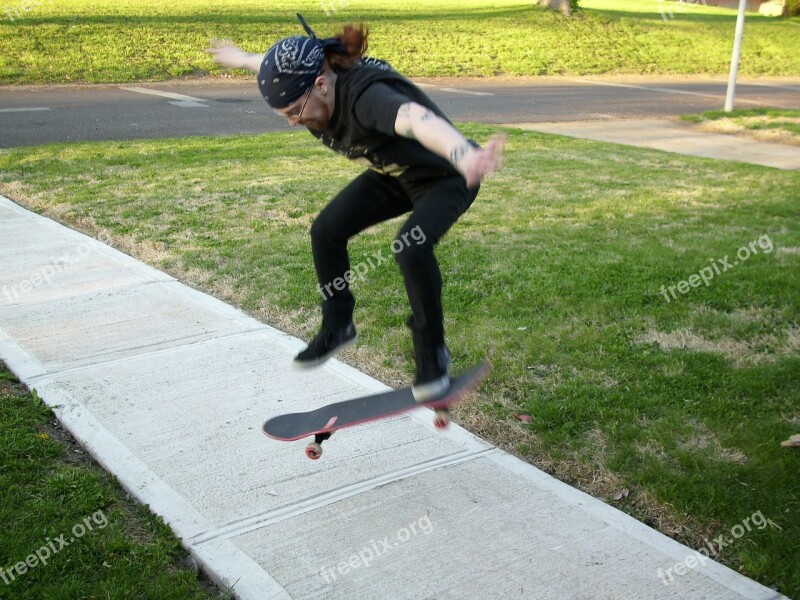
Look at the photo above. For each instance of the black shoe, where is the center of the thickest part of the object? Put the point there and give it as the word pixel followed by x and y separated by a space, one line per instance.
pixel 433 372
pixel 327 342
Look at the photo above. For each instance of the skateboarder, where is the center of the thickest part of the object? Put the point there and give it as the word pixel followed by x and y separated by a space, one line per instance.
pixel 418 162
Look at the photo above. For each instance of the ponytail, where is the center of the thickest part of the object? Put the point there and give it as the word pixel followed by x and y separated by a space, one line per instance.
pixel 353 40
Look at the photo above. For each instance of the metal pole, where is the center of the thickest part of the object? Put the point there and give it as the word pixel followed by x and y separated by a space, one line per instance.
pixel 737 51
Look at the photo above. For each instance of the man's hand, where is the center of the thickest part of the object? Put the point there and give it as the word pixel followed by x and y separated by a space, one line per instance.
pixel 475 164
pixel 227 55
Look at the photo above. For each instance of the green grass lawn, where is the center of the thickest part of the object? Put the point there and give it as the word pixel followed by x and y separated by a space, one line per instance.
pixel 768 124
pixel 79 534
pixel 130 40
pixel 559 274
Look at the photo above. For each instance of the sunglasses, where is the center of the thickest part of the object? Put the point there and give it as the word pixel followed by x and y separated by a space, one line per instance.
pixel 299 116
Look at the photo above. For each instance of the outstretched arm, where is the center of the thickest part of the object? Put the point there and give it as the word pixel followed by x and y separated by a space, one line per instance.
pixel 227 55
pixel 416 122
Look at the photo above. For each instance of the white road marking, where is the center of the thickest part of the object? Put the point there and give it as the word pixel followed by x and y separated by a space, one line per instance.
pixel 189 104
pixel 452 90
pixel 31 109
pixel 641 87
pixel 170 95
pixel 665 90
pixel 470 92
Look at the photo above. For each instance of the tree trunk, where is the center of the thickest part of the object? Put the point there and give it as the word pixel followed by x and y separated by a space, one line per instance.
pixel 562 6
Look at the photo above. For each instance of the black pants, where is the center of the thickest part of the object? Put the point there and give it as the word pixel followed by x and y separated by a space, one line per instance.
pixel 372 198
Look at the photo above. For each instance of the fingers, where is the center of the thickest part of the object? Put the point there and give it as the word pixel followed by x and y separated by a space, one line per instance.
pixel 216 45
pixel 224 53
pixel 486 160
pixel 227 56
pixel 491 158
pixel 495 147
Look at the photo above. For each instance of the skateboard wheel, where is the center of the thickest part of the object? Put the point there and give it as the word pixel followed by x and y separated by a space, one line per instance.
pixel 442 419
pixel 313 451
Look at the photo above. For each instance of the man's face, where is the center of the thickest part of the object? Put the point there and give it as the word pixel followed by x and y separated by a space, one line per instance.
pixel 311 109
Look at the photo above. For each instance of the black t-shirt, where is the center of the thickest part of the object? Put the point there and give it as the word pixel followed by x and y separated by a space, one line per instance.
pixel 362 125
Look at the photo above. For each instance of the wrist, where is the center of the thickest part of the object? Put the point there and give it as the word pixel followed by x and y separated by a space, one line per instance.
pixel 459 155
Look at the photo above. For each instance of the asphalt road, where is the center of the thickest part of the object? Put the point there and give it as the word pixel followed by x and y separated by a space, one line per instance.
pixel 36 115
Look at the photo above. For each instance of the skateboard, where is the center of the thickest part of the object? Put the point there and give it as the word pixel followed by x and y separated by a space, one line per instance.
pixel 322 422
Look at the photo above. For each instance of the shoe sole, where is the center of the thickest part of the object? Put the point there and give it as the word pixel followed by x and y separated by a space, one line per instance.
pixel 431 390
pixel 305 365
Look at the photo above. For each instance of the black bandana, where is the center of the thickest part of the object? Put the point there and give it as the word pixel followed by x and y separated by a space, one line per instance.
pixel 291 66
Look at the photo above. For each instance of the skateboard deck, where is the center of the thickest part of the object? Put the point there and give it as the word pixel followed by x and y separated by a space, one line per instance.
pixel 322 422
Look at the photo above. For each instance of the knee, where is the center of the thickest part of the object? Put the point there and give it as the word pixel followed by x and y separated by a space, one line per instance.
pixel 321 230
pixel 412 253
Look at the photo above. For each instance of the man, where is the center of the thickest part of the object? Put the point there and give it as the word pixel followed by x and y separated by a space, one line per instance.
pixel 418 163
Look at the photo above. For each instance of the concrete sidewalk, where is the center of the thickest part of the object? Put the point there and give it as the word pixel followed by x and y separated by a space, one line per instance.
pixel 168 387
pixel 675 136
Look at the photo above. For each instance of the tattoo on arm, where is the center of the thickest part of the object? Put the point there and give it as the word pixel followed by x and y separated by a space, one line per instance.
pixel 404 114
pixel 426 116
pixel 458 153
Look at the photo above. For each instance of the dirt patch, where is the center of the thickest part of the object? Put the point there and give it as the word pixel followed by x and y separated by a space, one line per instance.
pixel 757 350
pixel 702 440
pixel 550 377
pixel 653 449
pixel 741 316
pixel 740 127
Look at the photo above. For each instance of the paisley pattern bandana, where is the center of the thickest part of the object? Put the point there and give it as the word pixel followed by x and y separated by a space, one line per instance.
pixel 290 67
